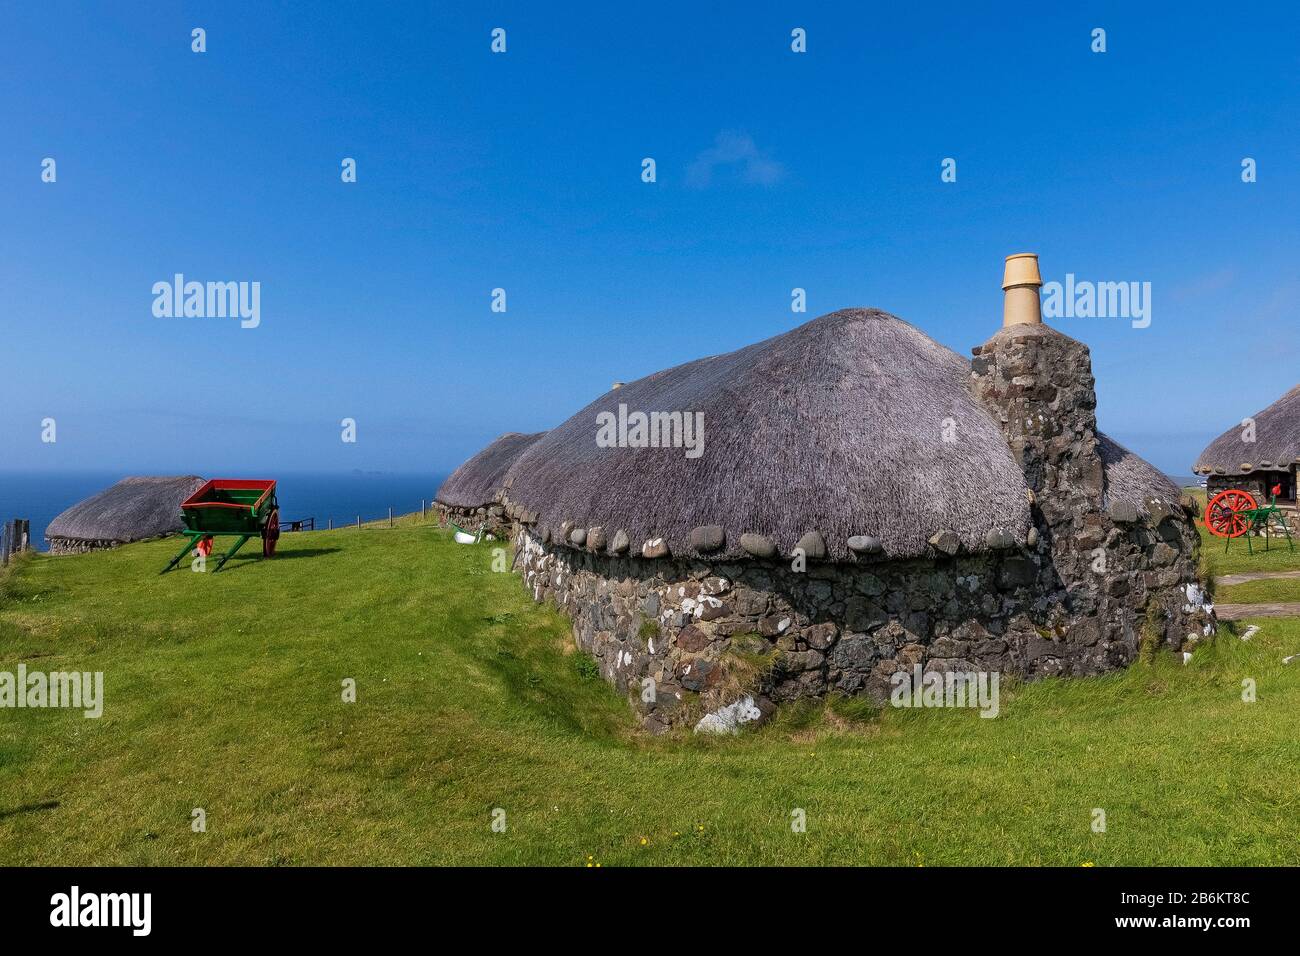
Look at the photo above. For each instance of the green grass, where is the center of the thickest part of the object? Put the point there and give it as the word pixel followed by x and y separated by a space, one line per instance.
pixel 1236 559
pixel 224 692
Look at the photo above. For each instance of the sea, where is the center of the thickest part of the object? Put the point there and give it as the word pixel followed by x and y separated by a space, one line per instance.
pixel 340 497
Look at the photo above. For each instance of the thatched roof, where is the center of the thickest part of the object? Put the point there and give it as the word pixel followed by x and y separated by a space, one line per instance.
pixel 131 510
pixel 836 427
pixel 1133 479
pixel 1276 446
pixel 478 481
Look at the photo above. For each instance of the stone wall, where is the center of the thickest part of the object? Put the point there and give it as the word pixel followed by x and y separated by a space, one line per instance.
pixel 707 634
pixel 79 545
pixel 491 518
pixel 1258 483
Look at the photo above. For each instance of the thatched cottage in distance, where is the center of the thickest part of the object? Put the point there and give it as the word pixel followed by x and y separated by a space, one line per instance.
pixel 1258 454
pixel 134 509
pixel 865 501
pixel 471 494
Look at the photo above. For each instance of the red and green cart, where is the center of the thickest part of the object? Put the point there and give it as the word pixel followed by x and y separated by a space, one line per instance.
pixel 242 507
pixel 1234 513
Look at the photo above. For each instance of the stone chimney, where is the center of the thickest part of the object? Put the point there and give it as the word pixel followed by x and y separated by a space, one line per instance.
pixel 1109 574
pixel 1038 384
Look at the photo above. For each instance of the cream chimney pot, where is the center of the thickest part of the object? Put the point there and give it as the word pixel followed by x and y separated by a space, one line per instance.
pixel 1020 283
pixel 616 386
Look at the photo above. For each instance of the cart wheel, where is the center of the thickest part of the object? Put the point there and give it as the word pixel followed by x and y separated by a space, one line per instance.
pixel 271 534
pixel 204 547
pixel 1223 515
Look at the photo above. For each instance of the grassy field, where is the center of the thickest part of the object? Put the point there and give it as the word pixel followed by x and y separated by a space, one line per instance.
pixel 1236 559
pixel 225 692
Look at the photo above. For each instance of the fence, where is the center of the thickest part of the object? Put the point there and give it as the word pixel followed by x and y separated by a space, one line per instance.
pixel 15 535
pixel 357 521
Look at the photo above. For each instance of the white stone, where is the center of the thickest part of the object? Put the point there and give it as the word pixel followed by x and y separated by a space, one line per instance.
pixel 1195 599
pixel 729 719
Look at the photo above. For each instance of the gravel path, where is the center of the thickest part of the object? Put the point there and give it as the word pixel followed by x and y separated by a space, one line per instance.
pixel 1235 612
pixel 1254 576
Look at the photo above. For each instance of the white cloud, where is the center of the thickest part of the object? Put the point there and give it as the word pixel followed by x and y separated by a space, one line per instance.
pixel 734 151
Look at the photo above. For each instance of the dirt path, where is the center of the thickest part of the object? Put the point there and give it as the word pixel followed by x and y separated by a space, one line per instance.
pixel 1235 612
pixel 1255 576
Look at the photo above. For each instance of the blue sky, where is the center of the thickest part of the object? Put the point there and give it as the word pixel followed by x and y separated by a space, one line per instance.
pixel 522 171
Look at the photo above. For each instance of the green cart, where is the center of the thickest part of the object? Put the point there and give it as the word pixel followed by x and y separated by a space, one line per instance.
pixel 243 507
pixel 1233 513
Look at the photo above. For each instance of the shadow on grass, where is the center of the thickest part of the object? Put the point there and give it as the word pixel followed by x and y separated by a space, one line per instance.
pixel 244 560
pixel 29 808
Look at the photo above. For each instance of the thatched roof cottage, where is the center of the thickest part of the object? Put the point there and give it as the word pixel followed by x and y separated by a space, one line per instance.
pixel 1263 451
pixel 132 510
pixel 848 500
pixel 471 494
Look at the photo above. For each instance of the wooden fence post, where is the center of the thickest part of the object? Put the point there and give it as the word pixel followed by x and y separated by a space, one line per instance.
pixel 390 516
pixel 15 535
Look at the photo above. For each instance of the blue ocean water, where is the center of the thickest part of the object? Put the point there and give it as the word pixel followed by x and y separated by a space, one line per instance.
pixel 340 497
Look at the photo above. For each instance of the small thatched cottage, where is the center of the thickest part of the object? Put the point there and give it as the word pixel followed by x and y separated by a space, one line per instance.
pixel 131 510
pixel 472 493
pixel 1259 454
pixel 846 501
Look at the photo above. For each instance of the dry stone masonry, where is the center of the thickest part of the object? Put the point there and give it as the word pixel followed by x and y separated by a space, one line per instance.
pixel 1110 567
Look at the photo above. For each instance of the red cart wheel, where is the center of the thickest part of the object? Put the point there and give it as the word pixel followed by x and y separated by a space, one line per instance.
pixel 271 534
pixel 1223 515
